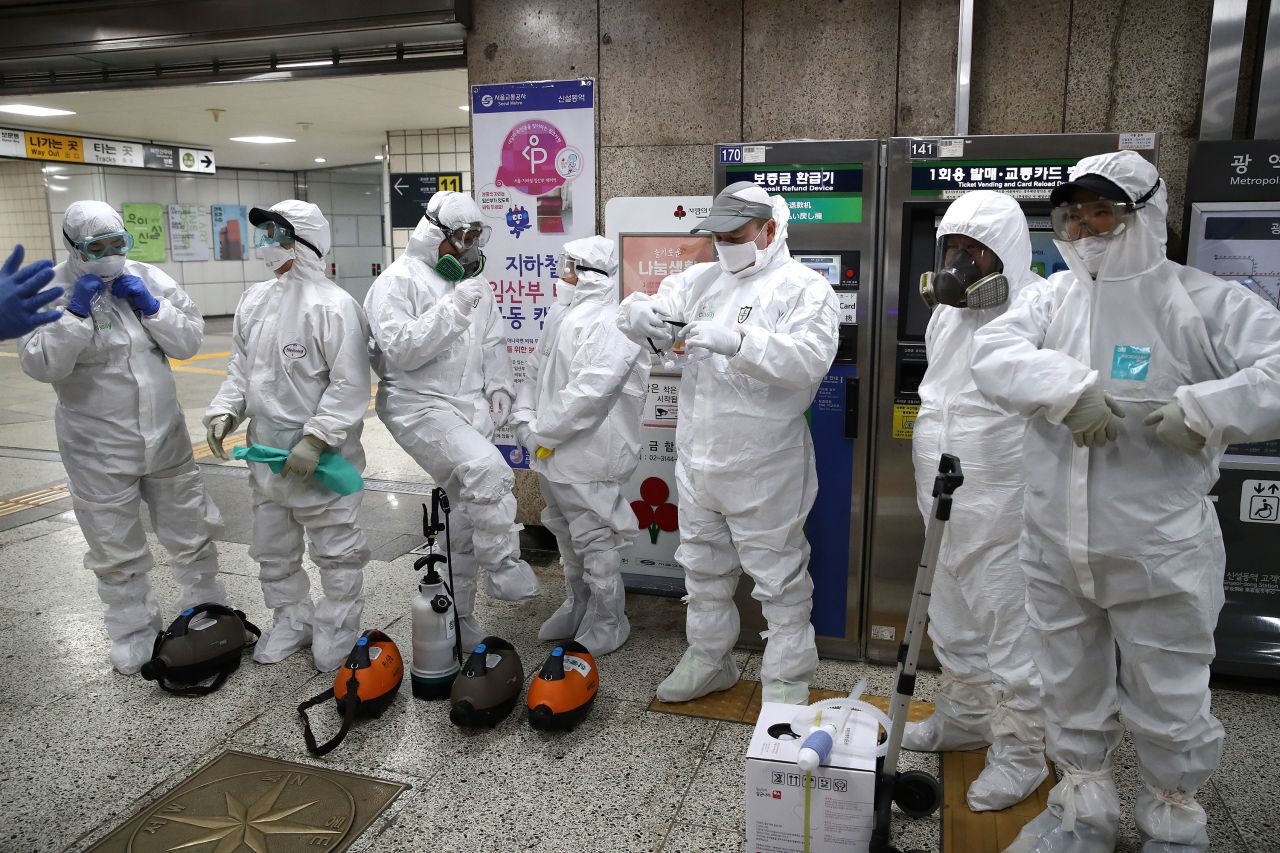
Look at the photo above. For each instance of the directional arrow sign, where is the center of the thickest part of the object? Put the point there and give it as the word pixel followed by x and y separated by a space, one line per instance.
pixel 412 192
pixel 196 160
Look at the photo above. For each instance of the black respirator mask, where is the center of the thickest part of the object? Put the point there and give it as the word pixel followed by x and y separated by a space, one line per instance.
pixel 957 280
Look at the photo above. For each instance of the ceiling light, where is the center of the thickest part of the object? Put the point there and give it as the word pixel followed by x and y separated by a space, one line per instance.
pixel 49 170
pixel 311 63
pixel 28 110
pixel 61 177
pixel 263 140
pixel 321 160
pixel 57 188
pixel 377 156
pixel 465 108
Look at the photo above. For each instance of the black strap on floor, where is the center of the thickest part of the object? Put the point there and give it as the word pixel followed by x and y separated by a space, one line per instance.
pixel 348 716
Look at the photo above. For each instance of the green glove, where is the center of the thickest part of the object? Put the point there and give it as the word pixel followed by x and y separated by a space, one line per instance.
pixel 332 471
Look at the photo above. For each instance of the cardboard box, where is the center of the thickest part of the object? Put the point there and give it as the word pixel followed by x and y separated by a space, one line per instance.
pixel 841 811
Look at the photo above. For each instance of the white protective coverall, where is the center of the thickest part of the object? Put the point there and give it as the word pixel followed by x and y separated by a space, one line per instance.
pixel 1122 551
pixel 977 613
pixel 439 367
pixel 745 471
pixel 300 366
pixel 583 399
pixel 123 439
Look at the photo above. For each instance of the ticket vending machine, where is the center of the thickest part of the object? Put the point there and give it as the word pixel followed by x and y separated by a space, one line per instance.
pixel 922 177
pixel 831 188
pixel 1233 231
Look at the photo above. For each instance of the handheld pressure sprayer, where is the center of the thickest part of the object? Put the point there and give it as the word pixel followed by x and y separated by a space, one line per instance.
pixel 437 641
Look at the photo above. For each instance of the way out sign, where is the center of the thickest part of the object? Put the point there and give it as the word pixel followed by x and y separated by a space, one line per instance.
pixel 410 192
pixel 1260 501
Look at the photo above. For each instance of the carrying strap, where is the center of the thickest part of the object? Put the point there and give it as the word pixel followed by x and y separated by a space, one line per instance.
pixel 352 704
pixel 224 673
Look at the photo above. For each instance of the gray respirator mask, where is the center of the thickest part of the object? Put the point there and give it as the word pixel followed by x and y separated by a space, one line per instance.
pixel 957 280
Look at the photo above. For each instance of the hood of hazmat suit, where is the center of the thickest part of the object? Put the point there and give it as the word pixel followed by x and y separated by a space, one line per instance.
pixel 977 615
pixel 1122 548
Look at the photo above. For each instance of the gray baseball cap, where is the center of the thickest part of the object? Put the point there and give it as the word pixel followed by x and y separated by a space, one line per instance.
pixel 735 206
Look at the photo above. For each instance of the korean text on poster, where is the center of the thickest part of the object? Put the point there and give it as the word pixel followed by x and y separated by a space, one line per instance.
pixel 188 232
pixel 644 260
pixel 146 223
pixel 535 178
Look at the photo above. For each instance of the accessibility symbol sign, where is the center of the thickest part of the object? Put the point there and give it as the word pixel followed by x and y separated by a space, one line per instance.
pixel 1260 501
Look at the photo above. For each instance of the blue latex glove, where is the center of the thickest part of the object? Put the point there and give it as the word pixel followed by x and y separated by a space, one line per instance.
pixel 130 287
pixel 87 287
pixel 21 297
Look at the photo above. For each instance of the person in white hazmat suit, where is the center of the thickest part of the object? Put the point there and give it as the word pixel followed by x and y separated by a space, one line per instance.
pixel 977 613
pixel 439 349
pixel 120 429
pixel 1136 372
pixel 299 372
pixel 745 471
pixel 579 413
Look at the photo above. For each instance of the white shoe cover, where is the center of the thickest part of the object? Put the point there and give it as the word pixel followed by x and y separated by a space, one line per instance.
pixel 515 581
pixel 1014 770
pixel 290 632
pixel 564 623
pixel 940 734
pixel 130 652
pixel 696 676
pixel 786 692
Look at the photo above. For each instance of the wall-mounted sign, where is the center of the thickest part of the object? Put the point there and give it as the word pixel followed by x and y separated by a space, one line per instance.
pixel 60 148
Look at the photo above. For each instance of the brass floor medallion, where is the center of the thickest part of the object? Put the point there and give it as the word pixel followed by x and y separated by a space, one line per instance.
pixel 243 802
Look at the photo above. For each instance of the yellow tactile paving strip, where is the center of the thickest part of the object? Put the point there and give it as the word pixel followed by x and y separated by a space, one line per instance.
pixel 31 500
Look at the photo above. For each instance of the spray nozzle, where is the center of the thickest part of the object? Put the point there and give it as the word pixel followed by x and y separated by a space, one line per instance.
pixel 553 669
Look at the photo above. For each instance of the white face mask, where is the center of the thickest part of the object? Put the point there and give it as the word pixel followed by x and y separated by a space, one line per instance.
pixel 740 258
pixel 276 256
pixel 107 269
pixel 564 291
pixel 1092 251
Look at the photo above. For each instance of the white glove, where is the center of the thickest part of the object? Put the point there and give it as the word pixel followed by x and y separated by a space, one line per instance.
pixel 1171 428
pixel 708 335
pixel 643 321
pixel 220 426
pixel 524 435
pixel 1092 420
pixel 467 294
pixel 500 407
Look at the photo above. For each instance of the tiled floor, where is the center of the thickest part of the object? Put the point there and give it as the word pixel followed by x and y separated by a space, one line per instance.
pixel 85 747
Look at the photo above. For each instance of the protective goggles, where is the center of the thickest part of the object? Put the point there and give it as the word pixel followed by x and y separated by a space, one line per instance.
pixel 272 229
pixel 1073 222
pixel 567 264
pixel 467 236
pixel 103 245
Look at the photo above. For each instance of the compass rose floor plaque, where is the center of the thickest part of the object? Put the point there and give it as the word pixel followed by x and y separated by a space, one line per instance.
pixel 241 802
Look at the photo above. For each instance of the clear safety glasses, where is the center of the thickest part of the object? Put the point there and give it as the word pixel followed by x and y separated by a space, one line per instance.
pixel 474 234
pixel 273 234
pixel 566 265
pixel 104 245
pixel 1072 222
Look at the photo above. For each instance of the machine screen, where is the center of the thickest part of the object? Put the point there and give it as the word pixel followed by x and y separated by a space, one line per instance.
pixel 841 272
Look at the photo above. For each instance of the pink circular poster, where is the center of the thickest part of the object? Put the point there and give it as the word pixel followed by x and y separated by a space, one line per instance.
pixel 529 158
